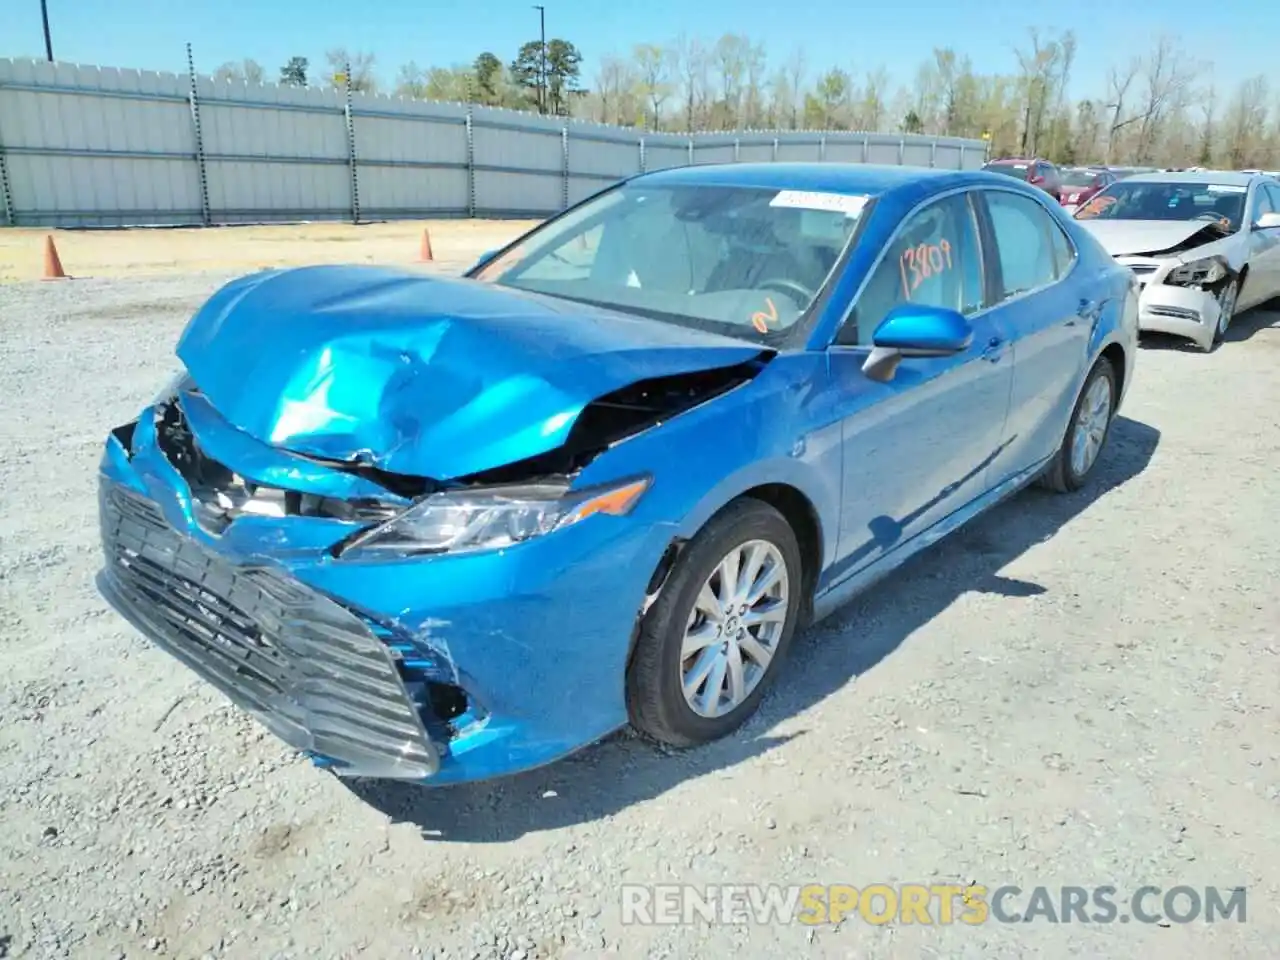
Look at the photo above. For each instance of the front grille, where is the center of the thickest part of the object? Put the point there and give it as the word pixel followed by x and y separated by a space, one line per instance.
pixel 309 669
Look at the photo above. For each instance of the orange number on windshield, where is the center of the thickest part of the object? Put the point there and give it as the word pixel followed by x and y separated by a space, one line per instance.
pixel 917 264
pixel 1095 207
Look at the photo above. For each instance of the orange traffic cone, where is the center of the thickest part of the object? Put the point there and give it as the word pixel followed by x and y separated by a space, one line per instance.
pixel 52 262
pixel 425 255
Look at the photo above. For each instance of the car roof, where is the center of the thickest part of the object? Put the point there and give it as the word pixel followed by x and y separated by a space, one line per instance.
pixel 865 179
pixel 1230 178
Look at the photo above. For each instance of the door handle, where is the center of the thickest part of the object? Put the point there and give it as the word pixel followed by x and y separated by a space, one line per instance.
pixel 994 350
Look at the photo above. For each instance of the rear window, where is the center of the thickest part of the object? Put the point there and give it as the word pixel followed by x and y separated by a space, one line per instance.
pixel 1019 170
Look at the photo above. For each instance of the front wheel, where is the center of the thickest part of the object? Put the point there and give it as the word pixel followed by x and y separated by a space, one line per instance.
pixel 712 642
pixel 1087 431
pixel 1226 310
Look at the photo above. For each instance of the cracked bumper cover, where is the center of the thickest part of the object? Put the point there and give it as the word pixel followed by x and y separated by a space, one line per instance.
pixel 1182 311
pixel 536 636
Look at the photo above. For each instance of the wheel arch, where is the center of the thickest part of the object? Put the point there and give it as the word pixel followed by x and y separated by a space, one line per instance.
pixel 797 508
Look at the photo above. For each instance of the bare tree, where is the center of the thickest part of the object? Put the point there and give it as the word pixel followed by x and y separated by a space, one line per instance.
pixel 245 71
pixel 1119 84
pixel 796 69
pixel 875 91
pixel 1040 71
pixel 730 55
pixel 360 65
pixel 615 79
pixel 1208 118
pixel 1245 123
pixel 655 83
pixel 1167 73
pixel 693 60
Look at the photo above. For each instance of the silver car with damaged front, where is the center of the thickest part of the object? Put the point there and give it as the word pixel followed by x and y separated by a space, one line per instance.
pixel 1204 245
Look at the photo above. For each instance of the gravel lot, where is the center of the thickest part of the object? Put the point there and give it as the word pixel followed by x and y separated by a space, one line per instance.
pixel 1074 690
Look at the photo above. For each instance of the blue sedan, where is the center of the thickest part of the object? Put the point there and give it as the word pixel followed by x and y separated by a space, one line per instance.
pixel 444 529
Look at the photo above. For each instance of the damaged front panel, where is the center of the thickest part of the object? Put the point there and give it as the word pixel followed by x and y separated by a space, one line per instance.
pixel 421 376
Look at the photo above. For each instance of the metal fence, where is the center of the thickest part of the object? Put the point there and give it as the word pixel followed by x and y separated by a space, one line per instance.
pixel 99 146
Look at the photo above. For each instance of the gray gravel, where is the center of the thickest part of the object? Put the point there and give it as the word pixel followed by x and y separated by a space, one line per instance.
pixel 1074 690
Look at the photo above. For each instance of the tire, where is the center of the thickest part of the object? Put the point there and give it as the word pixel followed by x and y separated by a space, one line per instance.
pixel 1228 300
pixel 1063 476
pixel 656 700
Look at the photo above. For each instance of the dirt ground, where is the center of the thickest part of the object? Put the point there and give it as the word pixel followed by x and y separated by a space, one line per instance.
pixel 149 252
pixel 1073 690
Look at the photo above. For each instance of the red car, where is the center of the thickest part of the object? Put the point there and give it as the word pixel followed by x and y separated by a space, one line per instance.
pixel 1079 184
pixel 1037 172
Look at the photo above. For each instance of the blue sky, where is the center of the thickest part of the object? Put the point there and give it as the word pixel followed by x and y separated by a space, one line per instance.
pixel 150 34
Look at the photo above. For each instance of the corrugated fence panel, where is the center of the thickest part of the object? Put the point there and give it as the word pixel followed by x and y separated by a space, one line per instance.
pixel 98 146
pixel 273 153
pixel 519 164
pixel 412 157
pixel 662 153
pixel 800 151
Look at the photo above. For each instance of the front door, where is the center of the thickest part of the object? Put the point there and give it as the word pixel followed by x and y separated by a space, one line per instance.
pixel 1263 281
pixel 920 446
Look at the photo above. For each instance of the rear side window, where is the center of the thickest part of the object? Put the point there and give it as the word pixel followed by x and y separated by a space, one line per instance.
pixel 1026 250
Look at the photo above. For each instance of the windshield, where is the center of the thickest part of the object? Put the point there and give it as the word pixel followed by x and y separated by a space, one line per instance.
pixel 1079 178
pixel 1166 200
pixel 1019 170
pixel 744 261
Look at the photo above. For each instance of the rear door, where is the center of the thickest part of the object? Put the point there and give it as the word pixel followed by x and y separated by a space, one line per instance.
pixel 1039 304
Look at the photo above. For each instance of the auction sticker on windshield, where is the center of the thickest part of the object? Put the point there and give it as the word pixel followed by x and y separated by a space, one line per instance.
pixel 850 205
pixel 1227 188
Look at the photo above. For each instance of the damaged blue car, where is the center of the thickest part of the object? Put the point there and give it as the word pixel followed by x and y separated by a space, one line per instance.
pixel 444 529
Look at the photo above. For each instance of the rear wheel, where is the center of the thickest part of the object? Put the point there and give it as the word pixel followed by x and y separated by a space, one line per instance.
pixel 1087 431
pixel 713 641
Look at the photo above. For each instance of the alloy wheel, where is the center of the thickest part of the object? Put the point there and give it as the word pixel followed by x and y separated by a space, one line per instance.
pixel 1091 426
pixel 734 628
pixel 1227 306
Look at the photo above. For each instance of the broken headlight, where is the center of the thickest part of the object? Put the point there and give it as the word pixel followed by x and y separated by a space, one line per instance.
pixel 1198 273
pixel 487 518
pixel 176 383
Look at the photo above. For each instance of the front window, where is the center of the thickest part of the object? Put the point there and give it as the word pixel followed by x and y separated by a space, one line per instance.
pixel 934 260
pixel 1080 178
pixel 1222 203
pixel 1019 170
pixel 744 261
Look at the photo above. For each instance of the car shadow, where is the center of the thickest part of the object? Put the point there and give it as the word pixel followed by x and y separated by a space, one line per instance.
pixel 1250 323
pixel 1244 327
pixel 625 769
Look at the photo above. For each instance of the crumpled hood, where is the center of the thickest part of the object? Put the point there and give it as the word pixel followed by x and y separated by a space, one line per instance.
pixel 421 375
pixel 1123 238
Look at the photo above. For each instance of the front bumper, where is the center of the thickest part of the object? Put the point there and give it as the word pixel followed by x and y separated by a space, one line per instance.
pixel 1163 308
pixel 313 673
pixel 1183 312
pixel 436 670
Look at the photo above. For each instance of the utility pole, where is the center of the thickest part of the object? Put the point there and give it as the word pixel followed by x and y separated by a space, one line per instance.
pixel 542 57
pixel 48 40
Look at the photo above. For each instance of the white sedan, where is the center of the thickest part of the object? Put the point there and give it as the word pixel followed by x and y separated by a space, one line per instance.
pixel 1204 245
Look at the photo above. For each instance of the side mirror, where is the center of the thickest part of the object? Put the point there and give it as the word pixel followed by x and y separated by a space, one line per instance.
pixel 484 259
pixel 1268 221
pixel 915 330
